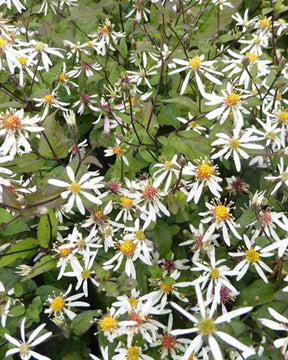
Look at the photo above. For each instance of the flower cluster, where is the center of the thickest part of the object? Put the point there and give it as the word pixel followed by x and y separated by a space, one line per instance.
pixel 131 212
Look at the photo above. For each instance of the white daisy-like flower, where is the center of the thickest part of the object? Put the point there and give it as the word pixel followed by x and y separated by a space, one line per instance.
pixel 235 145
pixel 230 103
pixel 204 174
pixel 104 353
pixel 199 67
pixel 282 177
pixel 76 189
pixel 140 10
pixel 50 101
pixel 253 256
pixel 84 272
pixel 5 303
pixel 166 172
pixel 255 45
pixel 140 76
pixel 270 133
pixel 215 275
pixel 19 6
pixel 130 352
pixel 191 124
pixel 218 215
pixel 60 304
pixel 14 128
pixel 117 150
pixel 23 347
pixel 206 328
pixel 281 325
pixel 243 21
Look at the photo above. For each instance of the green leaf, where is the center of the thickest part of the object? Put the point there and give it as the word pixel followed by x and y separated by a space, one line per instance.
pixel 47 229
pixel 22 249
pixel 26 163
pixel 256 293
pixel 183 101
pixel 57 139
pixel 247 218
pixel 162 237
pixel 82 322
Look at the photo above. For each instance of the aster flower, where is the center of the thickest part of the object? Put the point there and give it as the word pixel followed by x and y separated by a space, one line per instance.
pixel 270 133
pixel 255 45
pixel 206 328
pixel 50 101
pixel 282 177
pixel 140 10
pixel 15 128
pixel 60 305
pixel 130 352
pixel 191 125
pixel 236 184
pixel 279 325
pixel 219 216
pixel 235 145
pixel 85 100
pixel 140 76
pixel 19 6
pixel 199 67
pixel 76 190
pixel 230 103
pixel 204 174
pixel 244 21
pixel 166 172
pixel 253 256
pixel 214 274
pixel 23 347
pixel 5 303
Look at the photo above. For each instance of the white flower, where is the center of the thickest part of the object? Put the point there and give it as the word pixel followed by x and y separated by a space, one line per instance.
pixel 253 257
pixel 48 101
pixel 139 7
pixel 14 127
pixel 191 125
pixel 23 347
pixel 269 132
pixel 229 104
pixel 215 275
pixel 46 4
pixel 282 177
pixel 60 305
pixel 104 352
pixel 243 21
pixel 199 67
pixel 131 352
pixel 222 3
pixel 117 150
pixel 234 145
pixel 255 45
pixel 281 325
pixel 85 100
pixel 219 216
pixel 141 75
pixel 206 328
pixel 166 172
pixel 5 303
pixel 19 6
pixel 204 174
pixel 78 189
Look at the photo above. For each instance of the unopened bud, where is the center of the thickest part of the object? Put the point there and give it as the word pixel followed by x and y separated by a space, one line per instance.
pixel 70 118
pixel 42 211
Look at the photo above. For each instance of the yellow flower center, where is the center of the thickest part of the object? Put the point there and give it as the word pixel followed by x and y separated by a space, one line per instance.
pixel 264 23
pixel 128 248
pixel 252 57
pixel 283 116
pixel 117 150
pixel 90 44
pixel 99 214
pixel 133 302
pixel 215 273
pixel 11 123
pixel 39 46
pixel 24 349
pixel 192 125
pixel 281 21
pixel 257 41
pixel 204 171
pixel 126 202
pixel 140 235
pixel 252 255
pixel 133 353
pixel 22 60
pixel 58 303
pixel 105 29
pixel 49 98
pixel 62 77
pixel 81 243
pixel 166 288
pixel 207 326
pixel 284 176
pixel 65 252
pixel 75 188
pixel 195 62
pixel 234 143
pixel 132 101
pixel 85 274
pixel 232 99
pixel 221 213
pixel 3 42
pixel 108 323
pixel 168 164
pixel 271 135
